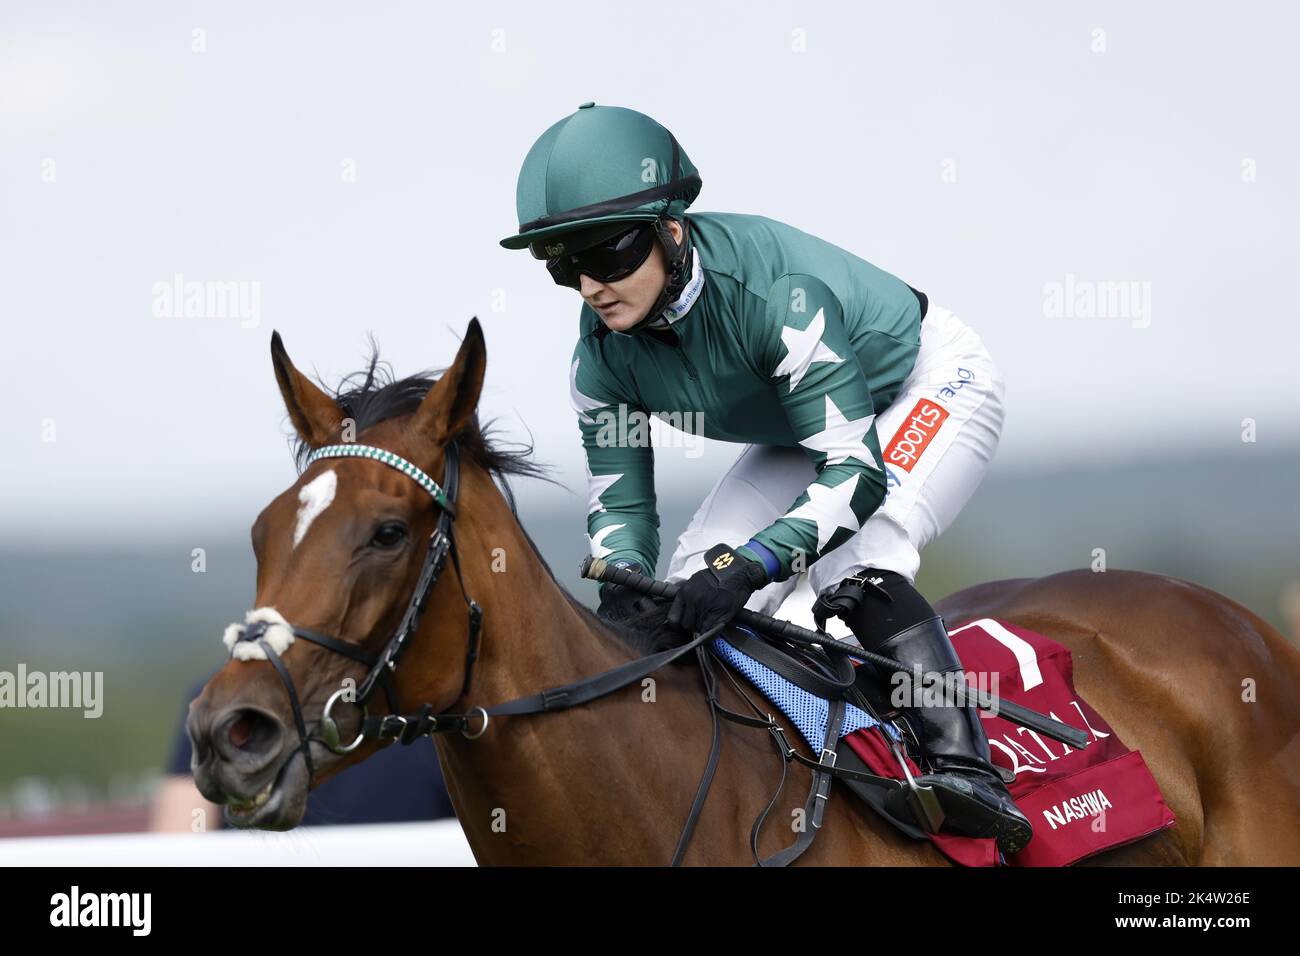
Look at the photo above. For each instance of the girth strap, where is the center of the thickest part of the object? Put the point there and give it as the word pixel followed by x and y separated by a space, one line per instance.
pixel 819 793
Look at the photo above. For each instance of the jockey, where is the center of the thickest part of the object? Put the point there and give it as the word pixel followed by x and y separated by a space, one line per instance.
pixel 868 414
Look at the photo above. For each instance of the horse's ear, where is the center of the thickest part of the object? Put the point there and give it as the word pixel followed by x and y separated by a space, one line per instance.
pixel 314 414
pixel 451 402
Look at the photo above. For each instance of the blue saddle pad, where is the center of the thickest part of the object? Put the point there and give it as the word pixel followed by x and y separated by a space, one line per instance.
pixel 806 710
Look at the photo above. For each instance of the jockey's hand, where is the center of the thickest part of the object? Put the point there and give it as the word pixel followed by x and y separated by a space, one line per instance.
pixel 618 603
pixel 713 596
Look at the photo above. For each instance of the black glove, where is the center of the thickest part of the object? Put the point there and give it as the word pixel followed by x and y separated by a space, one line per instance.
pixel 618 603
pixel 713 596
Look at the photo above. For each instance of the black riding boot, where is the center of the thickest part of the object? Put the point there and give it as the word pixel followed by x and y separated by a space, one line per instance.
pixel 971 796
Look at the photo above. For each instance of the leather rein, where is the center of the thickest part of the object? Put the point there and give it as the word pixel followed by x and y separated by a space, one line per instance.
pixel 410 727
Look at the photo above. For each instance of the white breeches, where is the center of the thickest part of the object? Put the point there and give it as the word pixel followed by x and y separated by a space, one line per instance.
pixel 932 471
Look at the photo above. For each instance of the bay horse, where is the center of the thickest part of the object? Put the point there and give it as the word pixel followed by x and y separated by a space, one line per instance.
pixel 341 552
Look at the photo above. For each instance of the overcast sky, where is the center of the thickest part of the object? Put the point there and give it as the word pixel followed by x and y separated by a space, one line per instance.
pixel 355 164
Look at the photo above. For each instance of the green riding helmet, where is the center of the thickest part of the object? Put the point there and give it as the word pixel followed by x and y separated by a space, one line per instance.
pixel 601 165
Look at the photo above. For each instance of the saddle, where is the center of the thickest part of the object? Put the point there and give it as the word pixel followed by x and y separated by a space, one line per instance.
pixel 1082 801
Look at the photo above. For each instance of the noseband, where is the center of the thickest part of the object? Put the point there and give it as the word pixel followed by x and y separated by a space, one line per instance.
pixel 383 665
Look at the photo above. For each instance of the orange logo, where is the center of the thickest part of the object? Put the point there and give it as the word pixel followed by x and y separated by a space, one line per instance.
pixel 914 435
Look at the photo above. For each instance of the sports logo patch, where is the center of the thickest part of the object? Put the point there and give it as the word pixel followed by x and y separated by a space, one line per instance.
pixel 912 437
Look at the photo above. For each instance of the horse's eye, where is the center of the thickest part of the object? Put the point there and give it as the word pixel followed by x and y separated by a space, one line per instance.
pixel 389 535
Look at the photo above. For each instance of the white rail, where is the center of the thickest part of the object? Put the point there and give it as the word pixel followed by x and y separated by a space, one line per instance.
pixel 388 844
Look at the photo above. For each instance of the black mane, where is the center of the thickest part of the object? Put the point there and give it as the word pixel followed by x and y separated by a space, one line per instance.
pixel 375 395
pixel 647 633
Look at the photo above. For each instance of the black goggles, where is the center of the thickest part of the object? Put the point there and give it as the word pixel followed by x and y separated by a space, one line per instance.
pixel 604 255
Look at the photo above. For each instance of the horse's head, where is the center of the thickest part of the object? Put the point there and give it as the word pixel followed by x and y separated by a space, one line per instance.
pixel 344 555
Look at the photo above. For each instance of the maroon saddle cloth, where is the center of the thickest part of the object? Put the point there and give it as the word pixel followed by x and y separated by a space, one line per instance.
pixel 1080 802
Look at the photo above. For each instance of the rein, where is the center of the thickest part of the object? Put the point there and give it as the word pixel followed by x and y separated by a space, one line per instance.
pixel 410 727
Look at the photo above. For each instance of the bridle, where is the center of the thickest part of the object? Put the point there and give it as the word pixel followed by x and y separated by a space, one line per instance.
pixel 383 665
pixel 410 727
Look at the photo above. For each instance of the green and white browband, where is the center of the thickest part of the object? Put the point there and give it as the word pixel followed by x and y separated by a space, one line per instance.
pixel 388 458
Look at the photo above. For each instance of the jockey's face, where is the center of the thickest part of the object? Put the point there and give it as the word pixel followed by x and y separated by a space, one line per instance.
pixel 624 303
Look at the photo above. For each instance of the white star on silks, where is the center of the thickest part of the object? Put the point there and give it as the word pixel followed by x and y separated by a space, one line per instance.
pixel 581 403
pixel 803 348
pixel 843 437
pixel 597 485
pixel 830 509
pixel 598 549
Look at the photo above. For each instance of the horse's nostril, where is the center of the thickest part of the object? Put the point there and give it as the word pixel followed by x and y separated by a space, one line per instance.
pixel 252 732
pixel 241 731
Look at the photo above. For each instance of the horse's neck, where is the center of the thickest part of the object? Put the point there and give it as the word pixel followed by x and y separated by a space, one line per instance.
pixel 534 635
pixel 540 789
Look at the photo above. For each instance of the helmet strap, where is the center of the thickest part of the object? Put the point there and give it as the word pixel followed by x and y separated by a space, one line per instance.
pixel 677 255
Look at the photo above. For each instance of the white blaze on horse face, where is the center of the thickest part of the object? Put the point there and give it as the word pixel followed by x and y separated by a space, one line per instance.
pixel 315 496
